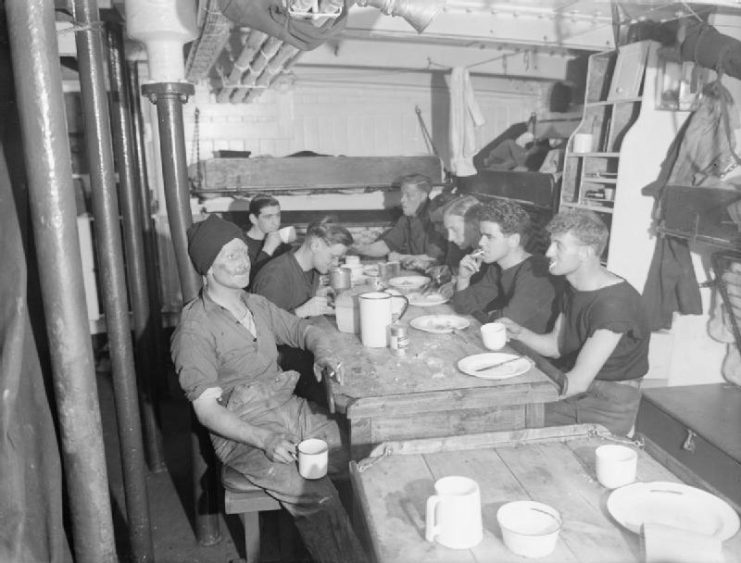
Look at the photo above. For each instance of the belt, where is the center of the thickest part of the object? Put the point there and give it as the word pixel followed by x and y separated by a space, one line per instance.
pixel 629 382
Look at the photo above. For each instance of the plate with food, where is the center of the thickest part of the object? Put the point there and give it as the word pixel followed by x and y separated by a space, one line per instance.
pixel 419 299
pixel 409 283
pixel 495 365
pixel 440 324
pixel 371 270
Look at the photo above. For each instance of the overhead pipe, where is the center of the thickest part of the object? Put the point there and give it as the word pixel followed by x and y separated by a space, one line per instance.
pixel 134 246
pixel 253 40
pixel 148 227
pixel 259 63
pixel 110 253
pixel 34 49
pixel 276 68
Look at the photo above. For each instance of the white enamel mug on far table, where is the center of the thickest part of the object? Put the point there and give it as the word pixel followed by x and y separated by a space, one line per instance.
pixel 454 513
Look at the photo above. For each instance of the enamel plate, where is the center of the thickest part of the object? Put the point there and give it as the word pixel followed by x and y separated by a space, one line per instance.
pixel 439 324
pixel 673 504
pixel 426 300
pixel 517 366
pixel 409 283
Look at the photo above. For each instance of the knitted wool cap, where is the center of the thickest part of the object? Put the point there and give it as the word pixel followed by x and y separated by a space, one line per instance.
pixel 206 239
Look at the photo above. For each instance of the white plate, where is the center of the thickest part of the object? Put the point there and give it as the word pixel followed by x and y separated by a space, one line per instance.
pixel 675 505
pixel 426 300
pixel 470 364
pixel 439 324
pixel 409 283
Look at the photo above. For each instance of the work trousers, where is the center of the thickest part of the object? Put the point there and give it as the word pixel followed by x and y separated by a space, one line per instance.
pixel 612 404
pixel 314 504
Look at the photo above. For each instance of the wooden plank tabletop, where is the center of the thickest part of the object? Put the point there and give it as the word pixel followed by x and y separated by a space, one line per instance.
pixel 550 465
pixel 426 378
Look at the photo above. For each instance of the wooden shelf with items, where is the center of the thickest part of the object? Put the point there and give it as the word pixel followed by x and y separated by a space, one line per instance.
pixel 612 104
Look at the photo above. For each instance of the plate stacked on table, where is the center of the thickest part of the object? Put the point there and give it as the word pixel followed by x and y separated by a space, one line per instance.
pixel 673 505
pixel 409 283
pixel 439 324
pixel 495 365
pixel 426 299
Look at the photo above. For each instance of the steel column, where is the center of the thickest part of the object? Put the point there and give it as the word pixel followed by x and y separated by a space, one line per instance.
pixel 110 257
pixel 38 82
pixel 148 228
pixel 129 197
pixel 169 98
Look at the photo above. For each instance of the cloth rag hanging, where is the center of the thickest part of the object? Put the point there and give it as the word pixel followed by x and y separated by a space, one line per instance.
pixel 465 117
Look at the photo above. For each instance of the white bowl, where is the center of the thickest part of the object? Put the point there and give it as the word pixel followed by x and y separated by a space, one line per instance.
pixel 529 528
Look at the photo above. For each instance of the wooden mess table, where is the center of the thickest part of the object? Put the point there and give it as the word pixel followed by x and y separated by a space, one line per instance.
pixel 423 394
pixel 551 465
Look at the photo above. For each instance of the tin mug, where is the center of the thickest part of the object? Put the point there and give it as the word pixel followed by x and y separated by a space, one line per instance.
pixel 340 278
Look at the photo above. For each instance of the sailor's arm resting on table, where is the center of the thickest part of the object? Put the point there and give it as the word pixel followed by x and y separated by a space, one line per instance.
pixel 318 343
pixel 544 344
pixel 589 362
pixel 214 416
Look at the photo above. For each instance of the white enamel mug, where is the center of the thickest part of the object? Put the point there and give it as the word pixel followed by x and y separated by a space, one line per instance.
pixel 616 465
pixel 376 314
pixel 454 513
pixel 494 335
pixel 313 457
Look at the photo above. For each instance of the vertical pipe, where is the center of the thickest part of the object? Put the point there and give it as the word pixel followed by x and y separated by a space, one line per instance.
pixel 109 248
pixel 169 97
pixel 148 226
pixel 35 52
pixel 134 244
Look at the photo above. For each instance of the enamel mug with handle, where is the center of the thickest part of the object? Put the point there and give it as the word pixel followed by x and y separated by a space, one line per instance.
pixel 376 314
pixel 454 513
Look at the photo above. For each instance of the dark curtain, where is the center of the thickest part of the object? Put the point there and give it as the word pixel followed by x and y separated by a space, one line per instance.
pixel 31 523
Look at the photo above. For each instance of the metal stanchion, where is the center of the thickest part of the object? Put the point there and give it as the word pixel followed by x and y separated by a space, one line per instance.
pixel 129 195
pixel 169 97
pixel 110 255
pixel 38 82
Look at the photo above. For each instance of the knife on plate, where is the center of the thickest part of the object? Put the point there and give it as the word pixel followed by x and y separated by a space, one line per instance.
pixel 491 366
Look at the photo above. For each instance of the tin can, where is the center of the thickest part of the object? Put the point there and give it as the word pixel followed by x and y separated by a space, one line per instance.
pixel 375 281
pixel 340 278
pixel 398 339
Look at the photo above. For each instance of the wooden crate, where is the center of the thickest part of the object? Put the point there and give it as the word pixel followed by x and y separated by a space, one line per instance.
pixel 695 430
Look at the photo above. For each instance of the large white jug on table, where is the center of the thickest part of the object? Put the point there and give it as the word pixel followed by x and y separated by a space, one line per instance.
pixel 377 310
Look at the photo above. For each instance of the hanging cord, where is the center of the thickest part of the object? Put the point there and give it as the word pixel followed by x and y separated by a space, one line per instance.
pixel 425 132
pixel 197 148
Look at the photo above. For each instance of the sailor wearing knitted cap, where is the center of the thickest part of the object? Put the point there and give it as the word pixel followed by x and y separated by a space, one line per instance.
pixel 207 238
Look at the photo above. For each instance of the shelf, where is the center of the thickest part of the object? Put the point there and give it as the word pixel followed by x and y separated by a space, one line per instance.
pixel 613 102
pixel 593 154
pixel 599 180
pixel 595 207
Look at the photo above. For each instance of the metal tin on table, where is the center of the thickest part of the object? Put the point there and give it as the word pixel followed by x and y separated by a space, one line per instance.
pixel 340 278
pixel 398 339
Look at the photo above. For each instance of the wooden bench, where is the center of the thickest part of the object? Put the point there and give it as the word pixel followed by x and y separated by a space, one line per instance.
pixel 245 499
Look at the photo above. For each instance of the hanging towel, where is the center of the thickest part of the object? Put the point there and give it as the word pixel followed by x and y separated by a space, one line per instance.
pixel 465 116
